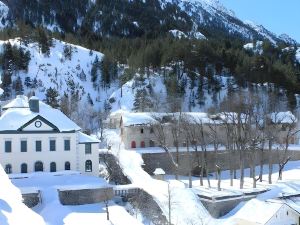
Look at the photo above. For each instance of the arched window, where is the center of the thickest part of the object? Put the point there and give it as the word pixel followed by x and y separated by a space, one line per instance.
pixel 53 167
pixel 133 144
pixel 38 166
pixel 142 144
pixel 23 168
pixel 67 166
pixel 88 166
pixel 8 169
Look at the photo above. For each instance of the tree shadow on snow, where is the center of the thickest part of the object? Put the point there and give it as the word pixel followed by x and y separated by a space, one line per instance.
pixel 4 206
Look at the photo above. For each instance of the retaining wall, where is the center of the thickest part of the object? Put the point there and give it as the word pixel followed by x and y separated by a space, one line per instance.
pixel 224 159
pixel 85 196
pixel 31 199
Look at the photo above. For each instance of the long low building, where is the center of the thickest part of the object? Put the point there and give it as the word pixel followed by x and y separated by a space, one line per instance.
pixel 34 137
pixel 152 129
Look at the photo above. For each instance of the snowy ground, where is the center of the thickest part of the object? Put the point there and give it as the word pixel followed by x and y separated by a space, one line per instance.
pixel 186 207
pixel 56 214
pixel 12 210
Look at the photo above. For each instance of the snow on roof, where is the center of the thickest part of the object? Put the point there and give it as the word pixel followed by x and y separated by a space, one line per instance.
pixel 12 210
pixel 262 210
pixel 145 118
pixel 20 101
pixel 283 117
pixel 131 119
pixel 159 171
pixel 84 138
pixel 15 116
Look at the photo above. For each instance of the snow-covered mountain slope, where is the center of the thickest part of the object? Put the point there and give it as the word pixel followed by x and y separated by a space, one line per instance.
pixel 262 31
pixel 12 210
pixel 63 74
pixel 287 39
pixel 3 15
pixel 122 18
pixel 298 55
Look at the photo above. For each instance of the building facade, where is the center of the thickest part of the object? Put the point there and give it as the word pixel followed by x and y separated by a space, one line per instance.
pixel 35 137
pixel 144 130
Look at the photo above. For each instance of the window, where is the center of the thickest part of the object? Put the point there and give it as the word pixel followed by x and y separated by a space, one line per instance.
pixel 67 144
pixel 152 144
pixel 133 144
pixel 23 146
pixel 142 131
pixel 7 146
pixel 38 167
pixel 67 166
pixel 52 146
pixel 38 146
pixel 142 144
pixel 53 167
pixel 151 130
pixel 8 169
pixel 23 168
pixel 88 148
pixel 88 166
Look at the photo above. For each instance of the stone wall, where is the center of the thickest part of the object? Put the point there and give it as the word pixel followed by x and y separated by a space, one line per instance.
pixel 85 196
pixel 218 209
pixel 31 199
pixel 224 159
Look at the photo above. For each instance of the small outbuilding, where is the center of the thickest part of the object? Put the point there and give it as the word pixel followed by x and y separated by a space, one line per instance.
pixel 159 174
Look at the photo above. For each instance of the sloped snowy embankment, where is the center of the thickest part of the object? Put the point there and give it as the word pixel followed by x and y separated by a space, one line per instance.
pixel 186 207
pixel 12 210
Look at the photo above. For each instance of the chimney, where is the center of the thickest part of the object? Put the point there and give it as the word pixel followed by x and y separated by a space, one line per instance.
pixel 34 104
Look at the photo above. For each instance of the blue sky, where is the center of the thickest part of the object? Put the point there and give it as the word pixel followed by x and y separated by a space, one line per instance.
pixel 277 16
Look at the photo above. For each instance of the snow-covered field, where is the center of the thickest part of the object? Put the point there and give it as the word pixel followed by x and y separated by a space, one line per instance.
pixel 54 213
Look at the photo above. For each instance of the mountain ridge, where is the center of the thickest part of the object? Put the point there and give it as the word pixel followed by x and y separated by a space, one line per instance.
pixel 127 18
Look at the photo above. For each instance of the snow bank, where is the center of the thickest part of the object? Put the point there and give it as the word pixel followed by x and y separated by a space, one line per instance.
pixel 12 210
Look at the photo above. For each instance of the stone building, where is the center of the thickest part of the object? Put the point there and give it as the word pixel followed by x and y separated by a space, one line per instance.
pixel 143 130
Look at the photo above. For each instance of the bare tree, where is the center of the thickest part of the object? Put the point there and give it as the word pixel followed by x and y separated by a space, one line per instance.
pixel 288 123
pixel 160 133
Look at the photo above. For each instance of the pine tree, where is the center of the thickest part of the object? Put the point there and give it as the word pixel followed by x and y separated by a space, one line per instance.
pixel 27 82
pixel 142 101
pixel 19 86
pixel 52 97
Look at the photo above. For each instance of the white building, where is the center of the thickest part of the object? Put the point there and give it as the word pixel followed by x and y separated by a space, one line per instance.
pixel 36 137
pixel 272 212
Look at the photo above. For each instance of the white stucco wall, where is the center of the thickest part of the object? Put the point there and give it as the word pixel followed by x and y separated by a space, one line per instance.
pixel 76 156
pixel 16 157
pixel 94 157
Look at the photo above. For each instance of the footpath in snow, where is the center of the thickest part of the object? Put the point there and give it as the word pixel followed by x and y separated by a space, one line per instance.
pixel 186 208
